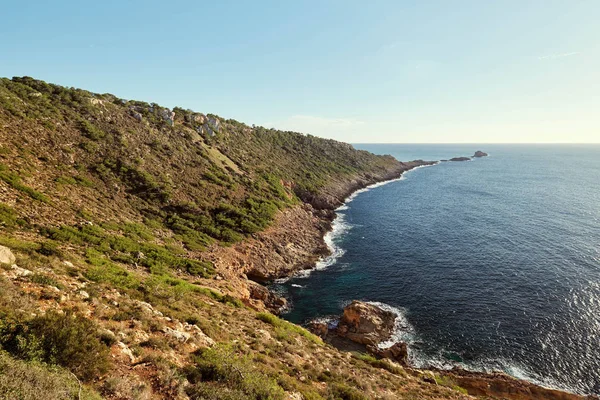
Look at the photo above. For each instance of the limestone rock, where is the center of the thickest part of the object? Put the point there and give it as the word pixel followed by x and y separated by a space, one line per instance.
pixel 126 351
pixel 168 116
pixel 136 114
pixel 319 328
pixel 366 323
pixel 18 272
pixel 180 336
pixel 273 302
pixel 148 309
pixel 398 352
pixel 6 256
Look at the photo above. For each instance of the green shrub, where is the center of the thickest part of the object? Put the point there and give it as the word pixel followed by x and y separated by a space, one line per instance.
pixel 8 216
pixel 288 327
pixel 444 380
pixel 49 248
pixel 69 340
pixel 91 131
pixel 34 381
pixel 344 392
pixel 74 180
pixel 45 280
pixel 15 181
pixel 234 373
pixel 108 272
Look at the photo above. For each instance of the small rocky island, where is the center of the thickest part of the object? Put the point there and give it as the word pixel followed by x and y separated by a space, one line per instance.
pixel 478 154
pixel 460 159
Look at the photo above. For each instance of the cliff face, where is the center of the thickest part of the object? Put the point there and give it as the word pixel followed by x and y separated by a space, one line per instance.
pixel 129 232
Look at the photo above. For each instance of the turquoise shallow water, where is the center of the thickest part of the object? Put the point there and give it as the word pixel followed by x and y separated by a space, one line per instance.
pixel 492 263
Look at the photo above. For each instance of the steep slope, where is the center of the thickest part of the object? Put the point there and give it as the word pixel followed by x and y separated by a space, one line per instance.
pixel 128 235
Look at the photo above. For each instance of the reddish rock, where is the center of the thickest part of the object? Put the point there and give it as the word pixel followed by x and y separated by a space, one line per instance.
pixel 366 324
pixel 318 328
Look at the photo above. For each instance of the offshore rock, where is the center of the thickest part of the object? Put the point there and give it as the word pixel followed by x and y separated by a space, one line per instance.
pixel 460 159
pixel 480 153
pixel 366 324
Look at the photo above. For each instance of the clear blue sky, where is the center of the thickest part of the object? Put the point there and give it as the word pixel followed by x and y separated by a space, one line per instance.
pixel 374 71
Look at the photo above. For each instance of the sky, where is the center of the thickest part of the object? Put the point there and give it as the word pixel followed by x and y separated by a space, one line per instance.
pixel 512 71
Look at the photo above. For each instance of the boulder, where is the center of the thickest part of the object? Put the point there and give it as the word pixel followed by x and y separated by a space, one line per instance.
pixel 176 334
pixel 398 352
pixel 6 256
pixel 366 323
pixel 136 115
pixel 274 303
pixel 480 153
pixel 18 272
pixel 126 351
pixel 168 116
pixel 319 328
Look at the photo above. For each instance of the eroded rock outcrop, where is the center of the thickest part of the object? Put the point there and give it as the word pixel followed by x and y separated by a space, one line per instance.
pixel 6 256
pixel 273 302
pixel 480 153
pixel 397 352
pixel 366 323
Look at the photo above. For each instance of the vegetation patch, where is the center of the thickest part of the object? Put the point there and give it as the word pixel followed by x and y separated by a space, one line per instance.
pixel 288 327
pixel 68 340
pixel 223 373
pixel 15 182
pixel 24 380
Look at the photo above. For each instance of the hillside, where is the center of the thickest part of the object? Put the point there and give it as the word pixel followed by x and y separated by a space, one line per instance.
pixel 139 234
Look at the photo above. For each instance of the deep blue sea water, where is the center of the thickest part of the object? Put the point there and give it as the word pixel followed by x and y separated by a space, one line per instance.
pixel 493 264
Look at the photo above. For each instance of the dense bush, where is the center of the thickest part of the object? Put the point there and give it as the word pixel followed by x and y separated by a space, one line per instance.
pixel 69 340
pixel 221 373
pixel 34 381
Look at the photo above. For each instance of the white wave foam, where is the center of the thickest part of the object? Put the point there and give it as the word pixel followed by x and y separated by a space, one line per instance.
pixel 403 330
pixel 340 227
pixel 515 370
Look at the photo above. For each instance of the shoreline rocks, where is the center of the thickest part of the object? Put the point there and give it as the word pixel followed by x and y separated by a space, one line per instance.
pixel 366 323
pixel 362 327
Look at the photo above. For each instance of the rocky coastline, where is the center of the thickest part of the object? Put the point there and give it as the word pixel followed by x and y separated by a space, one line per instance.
pixel 296 242
pixel 363 327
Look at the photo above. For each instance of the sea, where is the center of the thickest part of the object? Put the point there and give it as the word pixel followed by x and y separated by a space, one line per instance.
pixel 491 264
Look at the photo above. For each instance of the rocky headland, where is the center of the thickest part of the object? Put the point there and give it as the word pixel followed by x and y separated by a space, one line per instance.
pixel 135 243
